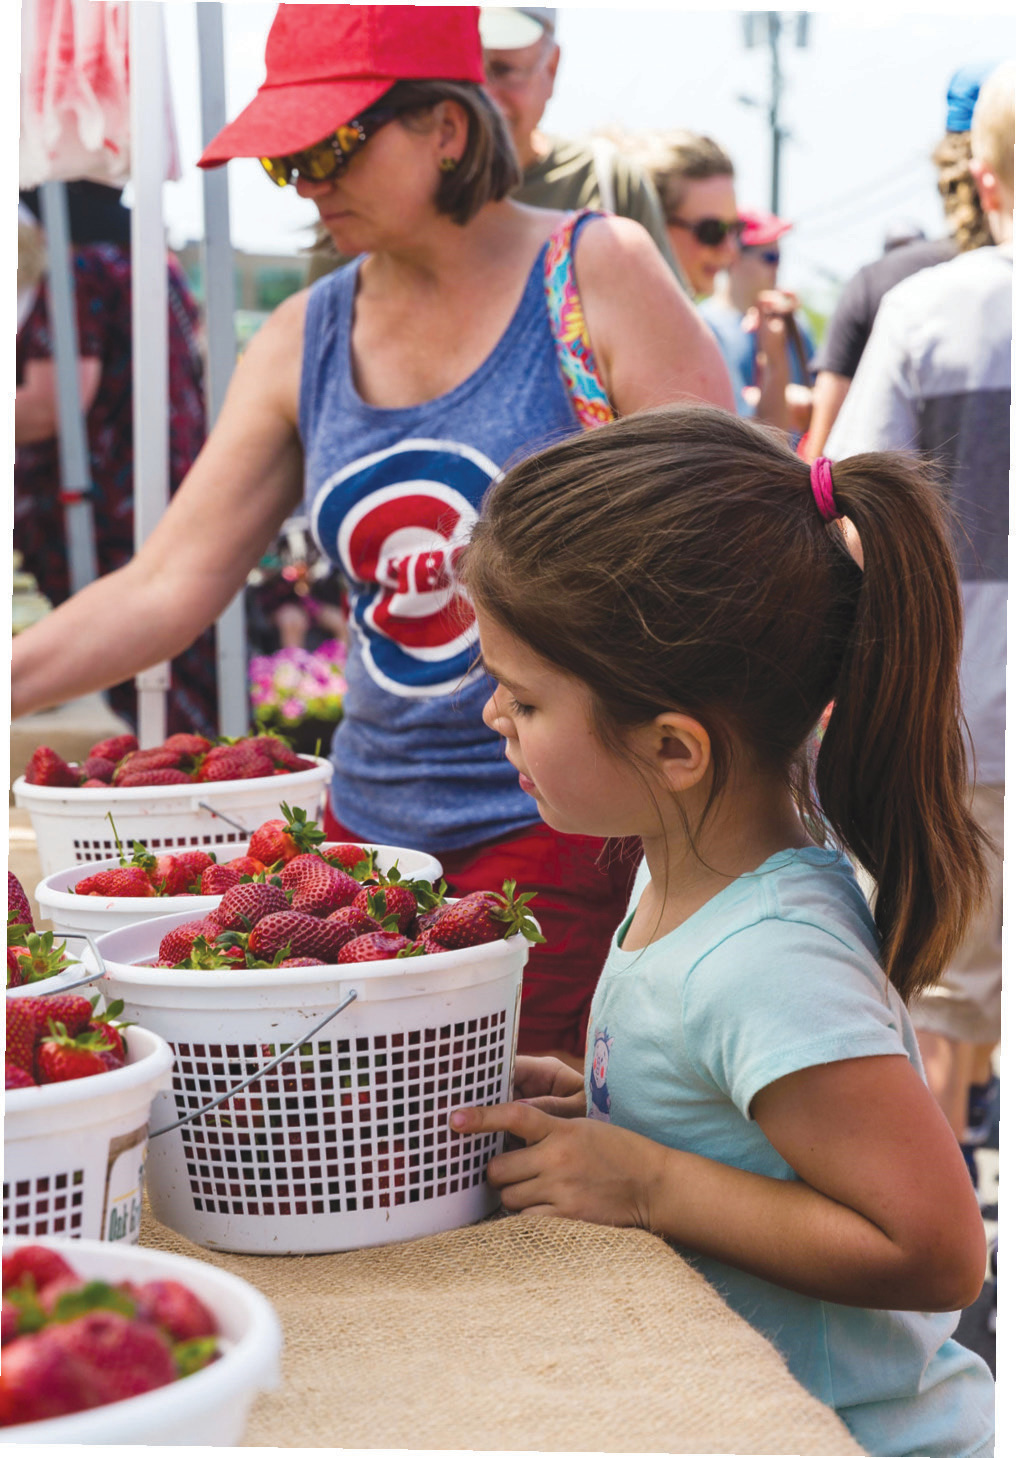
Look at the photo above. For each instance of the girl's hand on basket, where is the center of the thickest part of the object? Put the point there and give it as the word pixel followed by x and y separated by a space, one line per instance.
pixel 551 1085
pixel 578 1168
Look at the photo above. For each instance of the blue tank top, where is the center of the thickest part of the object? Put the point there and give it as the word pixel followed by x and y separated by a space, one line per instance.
pixel 390 494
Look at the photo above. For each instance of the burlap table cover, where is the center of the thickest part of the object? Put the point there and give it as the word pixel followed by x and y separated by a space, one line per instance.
pixel 519 1333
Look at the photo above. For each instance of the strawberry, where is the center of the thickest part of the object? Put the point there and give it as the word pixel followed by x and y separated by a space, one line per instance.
pixel 243 761
pixel 112 1032
pixel 123 1357
pixel 115 748
pixel 281 755
pixel 46 767
pixel 246 865
pixel 172 875
pixel 194 863
pixel 173 1307
pixel 97 768
pixel 135 779
pixel 15 974
pixel 281 840
pixel 36 1263
pixel 213 955
pixel 374 947
pixel 350 858
pixel 62 1007
pixel 121 881
pixel 19 908
pixel 245 904
pixel 384 901
pixel 485 916
pixel 176 944
pixel 60 1057
pixel 354 921
pixel 303 935
pixel 302 962
pixel 17 1077
pixel 145 759
pixel 94 785
pixel 41 1380
pixel 216 880
pixel 425 945
pixel 21 1030
pixel 318 887
pixel 190 745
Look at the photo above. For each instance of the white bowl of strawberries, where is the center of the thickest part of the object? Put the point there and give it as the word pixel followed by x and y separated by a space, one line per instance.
pixel 114 1345
pixel 36 961
pixel 110 894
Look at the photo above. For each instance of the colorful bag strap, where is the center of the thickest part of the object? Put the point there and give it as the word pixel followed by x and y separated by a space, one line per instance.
pixel 586 389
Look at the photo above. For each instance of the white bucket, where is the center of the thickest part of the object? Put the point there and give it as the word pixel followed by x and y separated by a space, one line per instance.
pixel 347 1143
pixel 74 1152
pixel 97 914
pixel 71 826
pixel 209 1407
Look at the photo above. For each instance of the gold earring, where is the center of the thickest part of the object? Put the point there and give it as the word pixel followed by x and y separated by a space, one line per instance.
pixel 449 164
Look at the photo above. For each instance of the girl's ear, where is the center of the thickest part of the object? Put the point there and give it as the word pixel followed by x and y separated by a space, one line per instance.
pixel 682 750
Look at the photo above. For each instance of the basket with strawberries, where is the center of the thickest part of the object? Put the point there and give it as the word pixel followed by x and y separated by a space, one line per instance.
pixel 63 1036
pixel 113 1345
pixel 326 1018
pixel 70 1344
pixel 181 759
pixel 186 793
pixel 136 887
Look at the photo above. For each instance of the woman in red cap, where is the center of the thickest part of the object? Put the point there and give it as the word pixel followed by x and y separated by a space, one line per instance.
pixel 468 331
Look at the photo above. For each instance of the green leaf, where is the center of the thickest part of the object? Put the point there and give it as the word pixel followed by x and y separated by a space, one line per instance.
pixel 191 1356
pixel 92 1296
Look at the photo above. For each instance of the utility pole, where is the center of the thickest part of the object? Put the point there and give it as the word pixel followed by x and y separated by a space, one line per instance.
pixel 765 27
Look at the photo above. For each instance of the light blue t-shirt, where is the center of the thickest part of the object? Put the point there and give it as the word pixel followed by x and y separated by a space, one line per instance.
pixel 739 349
pixel 778 972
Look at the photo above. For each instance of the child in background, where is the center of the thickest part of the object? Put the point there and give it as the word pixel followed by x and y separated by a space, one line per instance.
pixel 666 606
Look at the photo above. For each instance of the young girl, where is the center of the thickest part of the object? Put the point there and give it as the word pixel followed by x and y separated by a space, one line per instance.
pixel 666 606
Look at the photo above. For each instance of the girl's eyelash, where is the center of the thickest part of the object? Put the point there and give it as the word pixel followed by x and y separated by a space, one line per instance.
pixel 520 709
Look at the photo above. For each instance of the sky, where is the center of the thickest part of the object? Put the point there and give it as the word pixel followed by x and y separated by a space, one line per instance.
pixel 863 103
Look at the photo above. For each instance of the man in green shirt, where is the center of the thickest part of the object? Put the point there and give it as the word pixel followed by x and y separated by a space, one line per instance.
pixel 521 56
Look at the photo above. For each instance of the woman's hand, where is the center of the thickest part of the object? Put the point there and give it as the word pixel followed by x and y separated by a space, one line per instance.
pixel 578 1168
pixel 550 1085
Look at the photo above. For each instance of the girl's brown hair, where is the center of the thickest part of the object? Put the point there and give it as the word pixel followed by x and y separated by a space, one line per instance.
pixel 676 559
pixel 960 199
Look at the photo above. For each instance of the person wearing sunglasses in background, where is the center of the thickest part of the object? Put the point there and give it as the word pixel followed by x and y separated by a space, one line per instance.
pixel 765 341
pixel 384 401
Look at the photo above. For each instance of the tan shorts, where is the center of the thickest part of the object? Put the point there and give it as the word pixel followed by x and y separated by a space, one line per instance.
pixel 966 1005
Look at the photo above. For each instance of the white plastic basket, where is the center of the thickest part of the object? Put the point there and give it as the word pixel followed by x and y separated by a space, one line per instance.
pixel 97 914
pixel 74 1153
pixel 71 825
pixel 74 976
pixel 347 1142
pixel 210 1406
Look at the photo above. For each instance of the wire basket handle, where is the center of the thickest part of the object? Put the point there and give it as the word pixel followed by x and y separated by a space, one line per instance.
pixel 238 1088
pixel 204 805
pixel 44 991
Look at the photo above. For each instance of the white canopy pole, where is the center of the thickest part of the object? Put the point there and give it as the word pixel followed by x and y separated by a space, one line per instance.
pixel 149 316
pixel 220 330
pixel 75 463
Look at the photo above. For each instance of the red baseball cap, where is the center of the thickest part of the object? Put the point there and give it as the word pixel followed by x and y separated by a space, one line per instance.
pixel 761 228
pixel 324 64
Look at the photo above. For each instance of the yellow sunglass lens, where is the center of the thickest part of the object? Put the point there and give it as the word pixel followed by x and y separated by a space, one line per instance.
pixel 317 162
pixel 277 169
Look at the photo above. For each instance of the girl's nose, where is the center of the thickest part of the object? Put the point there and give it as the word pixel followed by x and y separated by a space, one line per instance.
pixel 494 719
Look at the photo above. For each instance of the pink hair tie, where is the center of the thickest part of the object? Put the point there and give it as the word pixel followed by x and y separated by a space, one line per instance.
pixel 822 488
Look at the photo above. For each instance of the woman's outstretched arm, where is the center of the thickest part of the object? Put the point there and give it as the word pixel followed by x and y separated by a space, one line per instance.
pixel 245 482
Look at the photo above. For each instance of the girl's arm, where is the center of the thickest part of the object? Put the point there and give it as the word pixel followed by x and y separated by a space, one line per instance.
pixel 650 343
pixel 883 1215
pixel 245 482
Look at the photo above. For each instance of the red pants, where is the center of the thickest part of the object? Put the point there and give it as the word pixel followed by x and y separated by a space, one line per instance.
pixel 582 889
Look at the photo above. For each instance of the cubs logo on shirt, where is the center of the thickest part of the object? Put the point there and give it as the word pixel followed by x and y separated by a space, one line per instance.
pixel 395 522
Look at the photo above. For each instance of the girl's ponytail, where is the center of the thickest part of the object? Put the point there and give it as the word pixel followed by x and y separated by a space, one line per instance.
pixel 892 773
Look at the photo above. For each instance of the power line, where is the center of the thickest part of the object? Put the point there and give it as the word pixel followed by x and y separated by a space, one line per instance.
pixel 865 189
